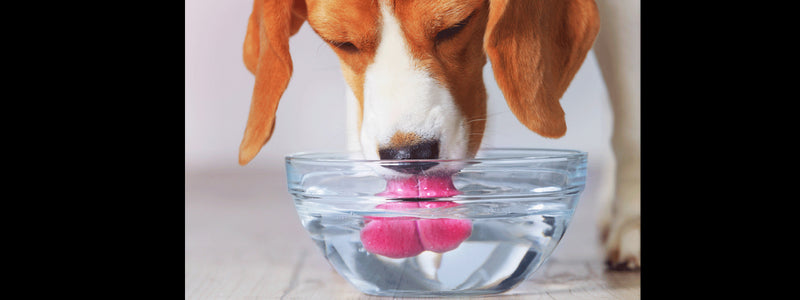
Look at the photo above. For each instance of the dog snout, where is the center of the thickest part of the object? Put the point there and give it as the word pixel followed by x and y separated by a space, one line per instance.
pixel 425 149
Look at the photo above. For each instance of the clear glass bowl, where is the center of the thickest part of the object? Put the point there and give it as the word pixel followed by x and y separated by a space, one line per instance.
pixel 467 227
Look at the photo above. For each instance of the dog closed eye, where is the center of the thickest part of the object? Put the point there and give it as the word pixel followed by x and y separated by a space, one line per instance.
pixel 452 31
pixel 344 46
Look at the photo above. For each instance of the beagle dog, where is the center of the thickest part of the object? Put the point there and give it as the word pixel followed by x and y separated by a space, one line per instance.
pixel 414 74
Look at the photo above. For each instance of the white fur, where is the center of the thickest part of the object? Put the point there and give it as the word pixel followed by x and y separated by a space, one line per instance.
pixel 401 96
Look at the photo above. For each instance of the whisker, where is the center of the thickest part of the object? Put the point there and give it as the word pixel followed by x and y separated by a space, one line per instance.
pixel 319 47
pixel 484 119
pixel 475 120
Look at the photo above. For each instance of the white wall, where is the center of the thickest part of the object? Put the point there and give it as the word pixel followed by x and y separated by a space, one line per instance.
pixel 311 114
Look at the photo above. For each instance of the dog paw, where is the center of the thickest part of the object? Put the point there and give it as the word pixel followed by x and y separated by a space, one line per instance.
pixel 622 244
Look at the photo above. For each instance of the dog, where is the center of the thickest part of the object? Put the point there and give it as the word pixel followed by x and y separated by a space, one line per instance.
pixel 415 87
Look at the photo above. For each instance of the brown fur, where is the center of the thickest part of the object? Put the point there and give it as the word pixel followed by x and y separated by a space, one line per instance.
pixel 266 55
pixel 536 47
pixel 404 139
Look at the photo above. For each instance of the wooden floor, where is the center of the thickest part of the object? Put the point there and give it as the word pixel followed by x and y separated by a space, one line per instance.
pixel 243 240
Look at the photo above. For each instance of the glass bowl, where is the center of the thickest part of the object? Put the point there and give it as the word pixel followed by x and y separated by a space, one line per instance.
pixel 437 227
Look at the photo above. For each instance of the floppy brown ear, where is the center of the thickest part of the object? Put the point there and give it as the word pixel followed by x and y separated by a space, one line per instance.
pixel 266 55
pixel 536 47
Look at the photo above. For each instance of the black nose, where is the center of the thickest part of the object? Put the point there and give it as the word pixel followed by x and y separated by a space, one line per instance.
pixel 427 149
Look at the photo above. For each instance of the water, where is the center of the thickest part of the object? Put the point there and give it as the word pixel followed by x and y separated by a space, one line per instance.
pixel 508 241
pixel 510 212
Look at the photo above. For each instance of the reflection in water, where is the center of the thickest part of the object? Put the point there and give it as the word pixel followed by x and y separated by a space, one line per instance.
pixel 399 237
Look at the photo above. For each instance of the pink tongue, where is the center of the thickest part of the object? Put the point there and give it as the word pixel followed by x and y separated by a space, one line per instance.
pixel 420 187
pixel 399 237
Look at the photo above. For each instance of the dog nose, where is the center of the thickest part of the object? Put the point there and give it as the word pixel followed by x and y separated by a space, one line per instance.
pixel 426 149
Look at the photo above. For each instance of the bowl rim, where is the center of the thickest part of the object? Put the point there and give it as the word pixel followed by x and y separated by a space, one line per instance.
pixel 556 154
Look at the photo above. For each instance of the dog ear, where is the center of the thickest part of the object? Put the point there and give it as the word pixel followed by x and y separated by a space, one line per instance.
pixel 266 55
pixel 536 47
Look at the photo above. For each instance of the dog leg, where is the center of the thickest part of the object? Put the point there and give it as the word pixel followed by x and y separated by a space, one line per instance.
pixel 618 53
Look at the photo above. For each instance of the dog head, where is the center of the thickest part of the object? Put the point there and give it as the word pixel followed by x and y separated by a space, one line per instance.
pixel 415 67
